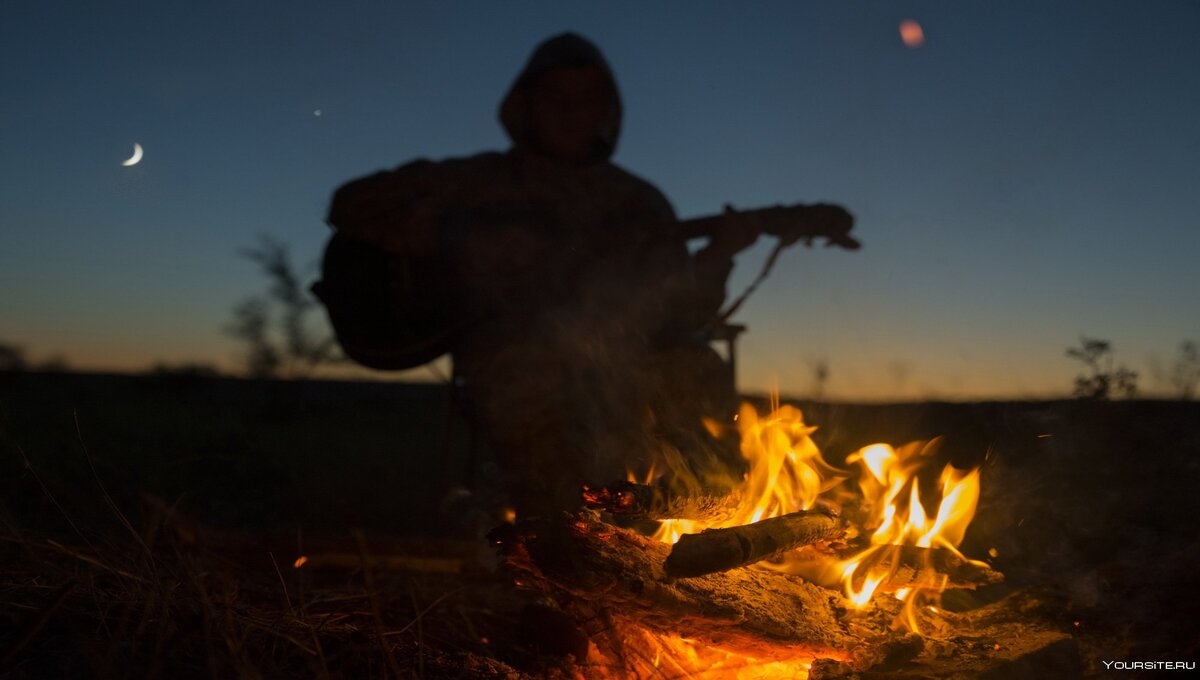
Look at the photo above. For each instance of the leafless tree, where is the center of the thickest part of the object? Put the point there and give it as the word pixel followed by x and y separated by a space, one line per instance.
pixel 275 327
pixel 1103 376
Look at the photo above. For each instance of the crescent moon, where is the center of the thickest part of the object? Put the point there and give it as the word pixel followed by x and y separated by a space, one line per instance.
pixel 137 156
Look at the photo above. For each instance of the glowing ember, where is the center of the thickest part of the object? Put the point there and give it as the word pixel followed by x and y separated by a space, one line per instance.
pixel 673 656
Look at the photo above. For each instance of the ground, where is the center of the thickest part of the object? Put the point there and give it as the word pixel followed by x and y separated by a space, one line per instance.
pixel 151 525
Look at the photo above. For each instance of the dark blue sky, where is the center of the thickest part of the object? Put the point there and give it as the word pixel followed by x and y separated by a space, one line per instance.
pixel 1026 176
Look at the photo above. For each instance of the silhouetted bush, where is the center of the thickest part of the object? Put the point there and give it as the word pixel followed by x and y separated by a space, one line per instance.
pixel 12 358
pixel 1185 373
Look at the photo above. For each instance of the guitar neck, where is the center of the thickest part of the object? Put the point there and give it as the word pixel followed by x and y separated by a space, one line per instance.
pixel 789 223
pixel 700 227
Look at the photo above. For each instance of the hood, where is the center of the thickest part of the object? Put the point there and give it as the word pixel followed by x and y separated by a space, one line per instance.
pixel 567 50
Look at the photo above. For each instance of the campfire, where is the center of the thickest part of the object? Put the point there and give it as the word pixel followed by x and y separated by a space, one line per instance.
pixel 799 569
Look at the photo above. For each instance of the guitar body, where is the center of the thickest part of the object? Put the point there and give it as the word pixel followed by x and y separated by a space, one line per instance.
pixel 393 312
pixel 389 312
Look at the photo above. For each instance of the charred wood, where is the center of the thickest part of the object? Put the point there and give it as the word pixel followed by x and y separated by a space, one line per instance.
pixel 904 566
pixel 901 567
pixel 718 550
pixel 915 566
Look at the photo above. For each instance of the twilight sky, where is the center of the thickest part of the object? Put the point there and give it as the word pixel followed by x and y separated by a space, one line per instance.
pixel 1026 176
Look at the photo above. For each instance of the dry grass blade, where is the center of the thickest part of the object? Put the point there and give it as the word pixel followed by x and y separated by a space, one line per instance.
pixel 95 562
pixel 420 632
pixel 37 626
pixel 286 598
pixel 53 500
pixel 422 612
pixel 275 630
pixel 369 584
pixel 104 492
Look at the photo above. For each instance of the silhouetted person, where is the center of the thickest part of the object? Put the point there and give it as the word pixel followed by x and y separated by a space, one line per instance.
pixel 579 316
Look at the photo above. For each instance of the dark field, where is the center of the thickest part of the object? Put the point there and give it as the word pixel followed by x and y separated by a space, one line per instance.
pixel 165 548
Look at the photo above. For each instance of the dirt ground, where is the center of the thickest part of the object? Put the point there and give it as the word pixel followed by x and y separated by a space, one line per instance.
pixel 151 525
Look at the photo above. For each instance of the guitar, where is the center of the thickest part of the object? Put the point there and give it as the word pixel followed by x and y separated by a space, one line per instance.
pixel 393 312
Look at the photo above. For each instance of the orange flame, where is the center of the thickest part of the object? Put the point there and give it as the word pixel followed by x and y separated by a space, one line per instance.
pixel 786 473
pixel 885 474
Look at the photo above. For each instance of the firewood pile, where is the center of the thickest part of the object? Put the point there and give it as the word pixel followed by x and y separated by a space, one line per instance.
pixel 635 608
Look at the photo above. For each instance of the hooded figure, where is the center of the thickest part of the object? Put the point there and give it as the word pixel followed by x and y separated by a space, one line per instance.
pixel 579 313
pixel 566 52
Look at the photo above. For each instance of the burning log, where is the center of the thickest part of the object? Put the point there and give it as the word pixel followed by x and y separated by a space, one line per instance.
pixel 718 550
pixel 592 567
pixel 899 567
pixel 643 501
pixel 915 566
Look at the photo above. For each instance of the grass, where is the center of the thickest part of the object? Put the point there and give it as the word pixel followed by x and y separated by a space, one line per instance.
pixel 149 526
pixel 176 600
pixel 149 529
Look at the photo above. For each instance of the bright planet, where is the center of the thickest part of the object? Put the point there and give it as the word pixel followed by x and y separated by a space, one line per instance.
pixel 911 33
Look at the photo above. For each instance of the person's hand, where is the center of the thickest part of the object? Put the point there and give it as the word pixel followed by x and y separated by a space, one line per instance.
pixel 391 210
pixel 738 232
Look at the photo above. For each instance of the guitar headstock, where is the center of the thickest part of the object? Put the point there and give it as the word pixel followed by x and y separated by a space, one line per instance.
pixel 791 223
